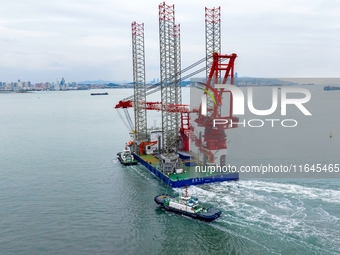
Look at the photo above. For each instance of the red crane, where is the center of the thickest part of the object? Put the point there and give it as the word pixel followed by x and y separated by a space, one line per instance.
pixel 215 137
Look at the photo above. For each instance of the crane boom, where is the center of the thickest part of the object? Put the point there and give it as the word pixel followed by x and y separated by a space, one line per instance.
pixel 150 88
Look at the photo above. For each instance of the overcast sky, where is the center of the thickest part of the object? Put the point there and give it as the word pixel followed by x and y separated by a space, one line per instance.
pixel 91 39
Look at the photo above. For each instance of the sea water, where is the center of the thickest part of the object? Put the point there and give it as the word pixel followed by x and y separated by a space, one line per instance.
pixel 62 190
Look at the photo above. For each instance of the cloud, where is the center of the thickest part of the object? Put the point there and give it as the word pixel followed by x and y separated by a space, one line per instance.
pixel 271 38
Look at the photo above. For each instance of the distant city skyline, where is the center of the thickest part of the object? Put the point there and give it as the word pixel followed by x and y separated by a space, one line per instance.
pixel 20 85
pixel 91 40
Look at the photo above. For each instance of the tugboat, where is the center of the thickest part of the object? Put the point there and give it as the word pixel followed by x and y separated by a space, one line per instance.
pixel 188 206
pixel 126 158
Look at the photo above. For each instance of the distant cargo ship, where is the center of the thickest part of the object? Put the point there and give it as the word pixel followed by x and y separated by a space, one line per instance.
pixel 331 88
pixel 99 94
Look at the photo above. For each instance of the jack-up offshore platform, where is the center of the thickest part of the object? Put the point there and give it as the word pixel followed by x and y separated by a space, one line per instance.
pixel 166 152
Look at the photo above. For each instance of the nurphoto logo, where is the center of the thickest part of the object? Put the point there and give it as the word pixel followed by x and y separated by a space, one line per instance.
pixel 238 104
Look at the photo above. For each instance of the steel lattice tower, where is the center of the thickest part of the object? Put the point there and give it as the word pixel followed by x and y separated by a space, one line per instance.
pixel 177 67
pixel 138 57
pixel 212 41
pixel 170 59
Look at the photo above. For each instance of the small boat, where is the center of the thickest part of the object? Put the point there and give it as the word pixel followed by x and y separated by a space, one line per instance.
pixel 100 94
pixel 187 206
pixel 126 158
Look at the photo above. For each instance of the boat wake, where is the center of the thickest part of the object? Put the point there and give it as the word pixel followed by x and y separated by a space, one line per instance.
pixel 307 217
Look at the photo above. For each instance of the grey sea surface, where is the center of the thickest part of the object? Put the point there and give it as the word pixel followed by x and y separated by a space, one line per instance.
pixel 62 190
